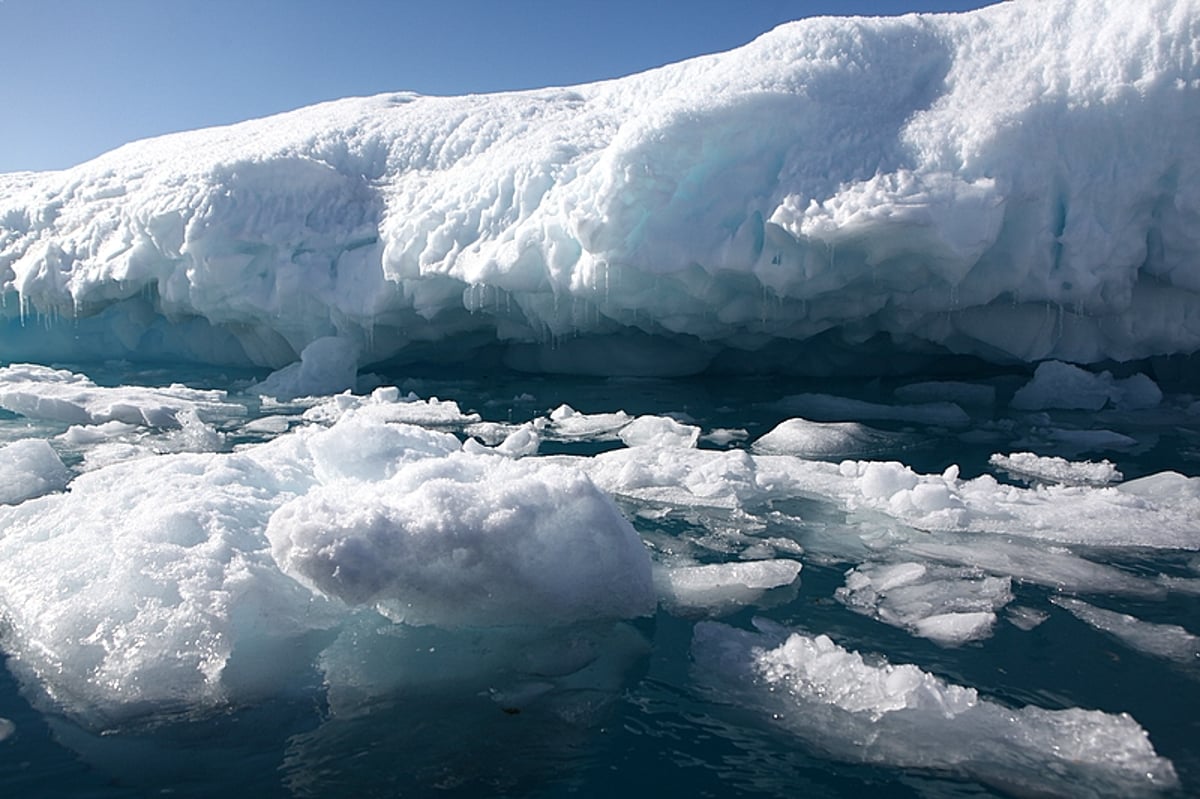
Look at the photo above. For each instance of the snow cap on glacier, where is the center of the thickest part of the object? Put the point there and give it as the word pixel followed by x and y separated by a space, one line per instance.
pixel 983 184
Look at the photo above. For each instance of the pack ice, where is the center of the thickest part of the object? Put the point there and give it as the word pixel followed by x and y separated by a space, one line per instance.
pixel 979 183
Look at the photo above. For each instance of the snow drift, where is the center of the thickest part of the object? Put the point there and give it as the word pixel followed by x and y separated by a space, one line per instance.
pixel 1019 183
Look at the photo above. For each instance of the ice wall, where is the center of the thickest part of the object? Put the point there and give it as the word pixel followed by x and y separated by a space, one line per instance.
pixel 1017 183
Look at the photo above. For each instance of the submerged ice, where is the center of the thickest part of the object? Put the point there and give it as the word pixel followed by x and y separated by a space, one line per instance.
pixel 881 189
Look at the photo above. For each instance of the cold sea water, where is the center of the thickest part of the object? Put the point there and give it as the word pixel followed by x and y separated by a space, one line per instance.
pixel 655 708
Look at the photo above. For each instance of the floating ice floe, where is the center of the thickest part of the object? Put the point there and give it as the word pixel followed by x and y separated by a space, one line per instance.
pixel 1057 470
pixel 716 588
pixel 464 541
pixel 386 404
pixel 568 423
pixel 1168 641
pixel 194 580
pixel 658 431
pixel 40 392
pixel 829 440
pixel 898 715
pixel 944 604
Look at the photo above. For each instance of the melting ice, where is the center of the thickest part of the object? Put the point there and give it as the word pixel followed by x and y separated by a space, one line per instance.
pixel 932 497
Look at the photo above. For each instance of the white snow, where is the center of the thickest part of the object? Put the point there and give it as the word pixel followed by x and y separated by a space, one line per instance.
pixel 869 186
pixel 837 702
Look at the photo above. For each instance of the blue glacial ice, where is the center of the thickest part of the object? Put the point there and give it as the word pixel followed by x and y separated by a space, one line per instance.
pixel 977 184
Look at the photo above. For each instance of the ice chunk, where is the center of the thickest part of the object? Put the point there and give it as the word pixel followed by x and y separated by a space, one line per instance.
pixel 658 431
pixel 326 366
pixel 807 439
pixel 724 436
pixel 946 605
pixel 722 587
pixel 385 404
pixel 149 584
pixel 568 423
pixel 1154 511
pixel 1167 641
pixel 677 476
pixel 1061 385
pixel 1057 470
pixel 7 728
pixel 89 434
pixel 467 541
pixel 1025 618
pixel 898 715
pixel 29 468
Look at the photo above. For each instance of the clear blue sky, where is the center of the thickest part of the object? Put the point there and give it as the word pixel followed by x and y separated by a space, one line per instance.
pixel 79 77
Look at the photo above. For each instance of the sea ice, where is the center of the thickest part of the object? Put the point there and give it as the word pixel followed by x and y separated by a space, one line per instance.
pixel 658 431
pixel 467 541
pixel 160 583
pixel 40 392
pixel 718 588
pixel 1167 641
pixel 806 439
pixel 569 424
pixel 944 604
pixel 1056 470
pixel 838 703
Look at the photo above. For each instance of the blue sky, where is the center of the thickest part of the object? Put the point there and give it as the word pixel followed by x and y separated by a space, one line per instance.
pixel 79 77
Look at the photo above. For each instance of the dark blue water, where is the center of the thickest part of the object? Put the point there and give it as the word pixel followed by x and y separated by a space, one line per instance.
pixel 655 730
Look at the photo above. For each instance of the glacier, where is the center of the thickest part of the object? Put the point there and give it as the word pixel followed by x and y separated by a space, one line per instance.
pixel 1015 184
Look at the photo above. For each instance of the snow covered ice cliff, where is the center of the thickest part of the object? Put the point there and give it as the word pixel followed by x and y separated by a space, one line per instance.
pixel 1019 183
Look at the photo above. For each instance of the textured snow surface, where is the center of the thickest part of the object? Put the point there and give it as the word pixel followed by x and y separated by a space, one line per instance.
pixel 837 701
pixel 1019 183
pixel 195 579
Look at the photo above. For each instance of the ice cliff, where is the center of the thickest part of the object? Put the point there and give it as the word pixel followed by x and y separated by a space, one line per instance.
pixel 1018 183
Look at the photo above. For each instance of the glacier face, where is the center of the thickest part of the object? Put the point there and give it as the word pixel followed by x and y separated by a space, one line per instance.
pixel 1018 183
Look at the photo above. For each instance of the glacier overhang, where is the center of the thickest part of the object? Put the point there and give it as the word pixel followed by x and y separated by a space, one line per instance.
pixel 1016 184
